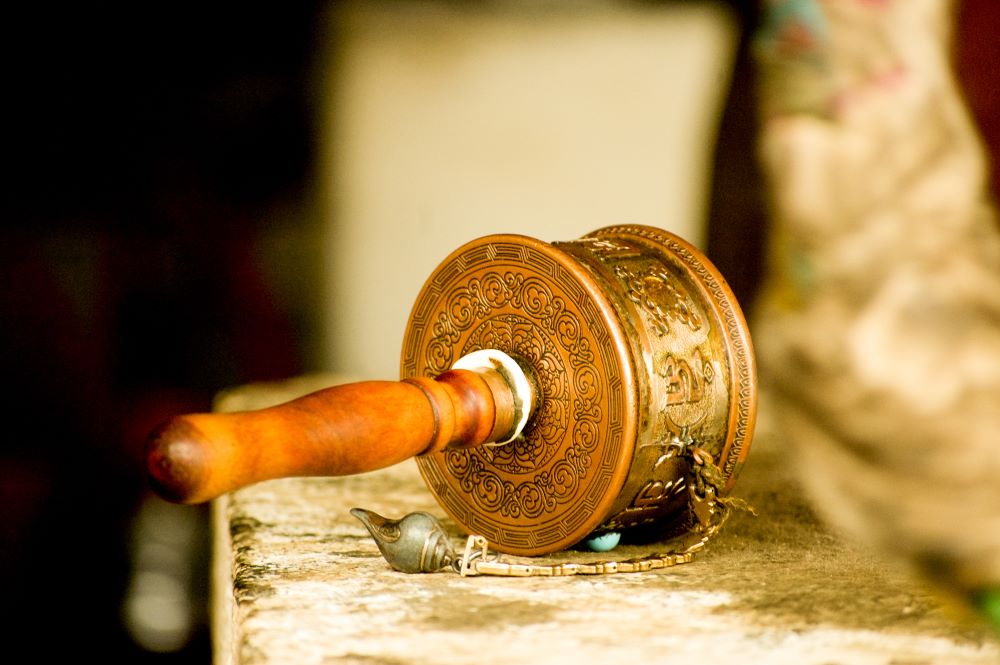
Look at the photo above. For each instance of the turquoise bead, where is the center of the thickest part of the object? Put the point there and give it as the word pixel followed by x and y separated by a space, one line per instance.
pixel 603 542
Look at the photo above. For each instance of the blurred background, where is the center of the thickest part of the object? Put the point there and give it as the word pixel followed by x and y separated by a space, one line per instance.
pixel 199 197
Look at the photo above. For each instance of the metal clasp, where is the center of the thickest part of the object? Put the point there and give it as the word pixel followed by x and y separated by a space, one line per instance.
pixel 679 444
pixel 476 548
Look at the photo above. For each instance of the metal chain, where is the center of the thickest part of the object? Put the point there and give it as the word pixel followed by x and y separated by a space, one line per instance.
pixel 708 510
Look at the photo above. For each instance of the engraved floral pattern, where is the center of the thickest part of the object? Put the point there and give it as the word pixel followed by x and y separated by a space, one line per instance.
pixel 548 336
pixel 515 336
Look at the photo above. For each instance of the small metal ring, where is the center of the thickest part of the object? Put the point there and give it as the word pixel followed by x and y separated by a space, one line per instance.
pixel 462 562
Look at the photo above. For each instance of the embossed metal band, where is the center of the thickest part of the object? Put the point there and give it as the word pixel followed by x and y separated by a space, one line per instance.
pixel 736 341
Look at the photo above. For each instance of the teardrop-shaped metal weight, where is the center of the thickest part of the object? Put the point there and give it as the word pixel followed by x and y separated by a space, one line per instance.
pixel 416 543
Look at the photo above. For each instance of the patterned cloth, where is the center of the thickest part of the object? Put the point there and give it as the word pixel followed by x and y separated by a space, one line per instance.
pixel 878 333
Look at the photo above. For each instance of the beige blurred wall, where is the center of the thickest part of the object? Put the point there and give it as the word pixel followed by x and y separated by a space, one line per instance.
pixel 446 122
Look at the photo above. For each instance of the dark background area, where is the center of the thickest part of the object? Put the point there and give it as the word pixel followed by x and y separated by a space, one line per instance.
pixel 151 150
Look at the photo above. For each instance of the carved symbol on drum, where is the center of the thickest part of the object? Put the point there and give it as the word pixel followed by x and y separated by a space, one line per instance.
pixel 685 382
pixel 656 493
pixel 664 485
pixel 606 248
pixel 659 295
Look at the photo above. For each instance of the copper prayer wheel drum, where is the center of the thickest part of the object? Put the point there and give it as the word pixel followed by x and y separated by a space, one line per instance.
pixel 634 342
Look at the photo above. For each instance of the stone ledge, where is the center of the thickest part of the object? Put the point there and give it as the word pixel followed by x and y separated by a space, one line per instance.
pixel 299 580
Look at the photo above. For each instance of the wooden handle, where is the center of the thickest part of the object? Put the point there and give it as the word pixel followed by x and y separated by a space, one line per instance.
pixel 337 431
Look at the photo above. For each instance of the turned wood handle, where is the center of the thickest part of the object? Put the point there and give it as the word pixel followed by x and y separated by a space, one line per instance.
pixel 336 431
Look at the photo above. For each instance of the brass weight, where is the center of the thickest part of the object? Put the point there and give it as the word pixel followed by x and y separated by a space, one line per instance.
pixel 632 347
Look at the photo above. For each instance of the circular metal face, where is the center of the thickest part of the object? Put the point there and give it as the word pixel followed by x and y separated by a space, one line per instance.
pixel 554 485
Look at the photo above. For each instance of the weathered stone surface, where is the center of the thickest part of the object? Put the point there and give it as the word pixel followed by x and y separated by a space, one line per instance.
pixel 299 580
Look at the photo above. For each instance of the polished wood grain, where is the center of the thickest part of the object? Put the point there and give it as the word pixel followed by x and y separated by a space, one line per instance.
pixel 340 430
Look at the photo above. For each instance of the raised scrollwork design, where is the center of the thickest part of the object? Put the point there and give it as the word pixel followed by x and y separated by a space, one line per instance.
pixel 516 336
pixel 476 314
pixel 659 295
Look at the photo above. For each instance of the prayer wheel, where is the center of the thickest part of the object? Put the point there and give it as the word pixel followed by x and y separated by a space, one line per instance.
pixel 548 392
